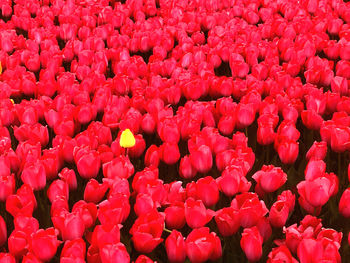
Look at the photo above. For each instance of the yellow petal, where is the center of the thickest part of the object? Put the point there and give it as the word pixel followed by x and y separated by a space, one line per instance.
pixel 127 139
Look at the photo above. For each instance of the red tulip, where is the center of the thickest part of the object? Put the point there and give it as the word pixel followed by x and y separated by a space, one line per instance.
pixel 152 156
pixel 144 204
pixel 146 231
pixel 168 131
pixel 18 243
pixel 228 221
pixel 114 210
pixel 143 259
pixel 344 207
pixel 279 214
pixel 119 167
pixel 202 245
pixel 288 151
pixel 3 231
pixel 207 190
pixel 88 164
pixel 70 225
pixel 232 181
pixel 105 234
pixel 251 243
pixel 44 243
pixel 175 216
pixel 281 253
pixel 73 250
pixel 250 208
pixel 94 192
pixel 114 253
pixel 58 188
pixel 186 168
pixel 201 159
pixel 196 214
pixel 68 176
pixel 7 182
pixel 169 153
pixel 7 258
pixel 175 247
pixel 22 203
pixel 26 224
pixel 270 178
pixel 317 151
pixel 316 192
pixel 34 174
pixel 309 250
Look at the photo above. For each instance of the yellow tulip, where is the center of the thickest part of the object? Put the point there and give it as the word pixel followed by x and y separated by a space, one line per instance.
pixel 127 139
pixel 0 68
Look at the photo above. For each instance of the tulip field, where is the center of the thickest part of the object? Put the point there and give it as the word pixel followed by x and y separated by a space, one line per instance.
pixel 174 131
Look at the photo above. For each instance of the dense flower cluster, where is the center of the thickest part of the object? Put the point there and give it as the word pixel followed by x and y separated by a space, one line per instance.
pixel 173 130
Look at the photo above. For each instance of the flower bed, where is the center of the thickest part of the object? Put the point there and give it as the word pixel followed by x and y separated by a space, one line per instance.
pixel 173 131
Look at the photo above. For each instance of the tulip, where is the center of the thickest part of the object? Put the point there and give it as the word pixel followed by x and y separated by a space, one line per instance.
pixel 144 204
pixel 251 243
pixel 344 208
pixel 316 192
pixel 3 231
pixel 94 192
pixel 73 250
pixel 152 156
pixel 18 243
pixel 22 203
pixel 207 190
pixel 281 253
pixel 146 231
pixel 105 234
pixel 196 214
pixel 175 216
pixel 111 252
pixel 310 250
pixel 44 243
pixel 201 159
pixel 279 214
pixel 127 139
pixel 7 183
pixel 186 168
pixel 169 153
pixel 175 247
pixel 232 181
pixel 288 151
pixel 143 259
pixel 317 151
pixel 202 245
pixel 270 178
pixel 250 208
pixel 7 257
pixel 58 188
pixel 68 176
pixel 228 221
pixel 34 174
pixel 88 164
pixel 70 225
pixel 119 167
pixel 114 210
